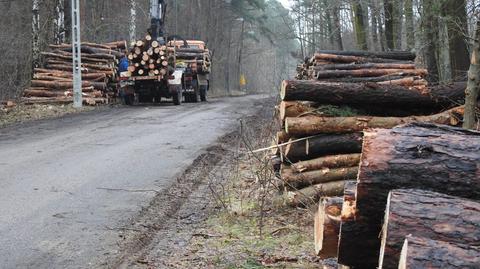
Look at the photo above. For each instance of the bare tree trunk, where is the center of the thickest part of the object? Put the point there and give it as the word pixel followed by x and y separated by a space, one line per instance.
pixel 430 29
pixel 389 24
pixel 359 25
pixel 473 85
pixel 456 15
pixel 337 26
pixel 35 33
pixel 410 29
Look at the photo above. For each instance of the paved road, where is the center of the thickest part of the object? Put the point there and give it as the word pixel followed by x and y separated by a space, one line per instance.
pixel 55 207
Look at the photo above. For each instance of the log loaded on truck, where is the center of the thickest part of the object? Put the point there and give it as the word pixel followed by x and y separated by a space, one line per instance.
pixel 162 66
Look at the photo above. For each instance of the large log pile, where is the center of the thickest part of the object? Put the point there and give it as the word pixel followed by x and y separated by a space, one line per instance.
pixel 198 59
pixel 312 138
pixel 421 156
pixel 54 82
pixel 150 58
pixel 322 151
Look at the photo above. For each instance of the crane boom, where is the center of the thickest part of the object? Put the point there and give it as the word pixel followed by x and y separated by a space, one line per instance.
pixel 157 14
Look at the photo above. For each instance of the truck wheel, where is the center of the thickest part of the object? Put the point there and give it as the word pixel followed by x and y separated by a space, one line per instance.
pixel 177 97
pixel 203 93
pixel 129 99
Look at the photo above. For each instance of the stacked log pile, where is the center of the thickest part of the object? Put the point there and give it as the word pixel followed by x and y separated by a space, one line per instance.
pixel 150 58
pixel 198 59
pixel 54 82
pixel 324 156
pixel 320 151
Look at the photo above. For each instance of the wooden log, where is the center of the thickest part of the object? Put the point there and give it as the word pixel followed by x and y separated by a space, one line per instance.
pixel 42 93
pixel 335 161
pixel 282 137
pixel 301 180
pixel 367 94
pixel 370 73
pixel 56 85
pixel 363 66
pixel 393 55
pixel 347 219
pixel 312 125
pixel 312 194
pixel 323 145
pixel 428 214
pixel 327 227
pixel 419 155
pixel 351 59
pixel 420 252
pixel 296 109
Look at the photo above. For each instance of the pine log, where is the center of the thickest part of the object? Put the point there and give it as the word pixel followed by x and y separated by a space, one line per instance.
pixel 312 125
pixel 300 180
pixel 347 219
pixel 66 85
pixel 323 145
pixel 312 194
pixel 327 227
pixel 428 214
pixel 296 109
pixel 282 137
pixel 419 155
pixel 393 55
pixel 334 161
pixel 363 66
pixel 42 93
pixel 367 94
pixel 370 73
pixel 363 79
pixel 351 59
pixel 420 252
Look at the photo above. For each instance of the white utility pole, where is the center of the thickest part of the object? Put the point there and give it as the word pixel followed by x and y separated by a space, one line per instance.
pixel 77 57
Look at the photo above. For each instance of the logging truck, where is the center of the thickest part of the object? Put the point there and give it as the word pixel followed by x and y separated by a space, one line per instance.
pixel 162 66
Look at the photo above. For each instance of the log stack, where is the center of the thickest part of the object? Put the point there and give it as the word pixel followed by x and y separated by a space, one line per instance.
pixel 318 146
pixel 54 82
pixel 150 58
pixel 326 153
pixel 418 187
pixel 198 59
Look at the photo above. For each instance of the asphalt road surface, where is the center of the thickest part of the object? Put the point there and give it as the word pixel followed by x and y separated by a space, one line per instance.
pixel 58 204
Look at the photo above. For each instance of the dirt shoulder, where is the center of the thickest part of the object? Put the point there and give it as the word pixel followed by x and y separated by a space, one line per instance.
pixel 223 212
pixel 26 113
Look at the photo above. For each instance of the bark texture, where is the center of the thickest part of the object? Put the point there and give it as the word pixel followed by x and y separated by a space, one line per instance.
pixel 428 214
pixel 327 227
pixel 419 155
pixel 419 252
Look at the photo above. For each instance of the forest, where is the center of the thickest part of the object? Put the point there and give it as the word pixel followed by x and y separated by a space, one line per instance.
pixel 252 37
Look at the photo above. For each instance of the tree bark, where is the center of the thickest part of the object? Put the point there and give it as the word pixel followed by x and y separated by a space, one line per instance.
pixel 312 125
pixel 370 73
pixel 312 194
pixel 420 252
pixel 67 85
pixel 323 145
pixel 335 161
pixel 346 243
pixel 457 25
pixel 389 24
pixel 301 180
pixel 367 94
pixel 296 109
pixel 359 25
pixel 473 84
pixel 455 220
pixel 363 66
pixel 418 155
pixel 327 227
